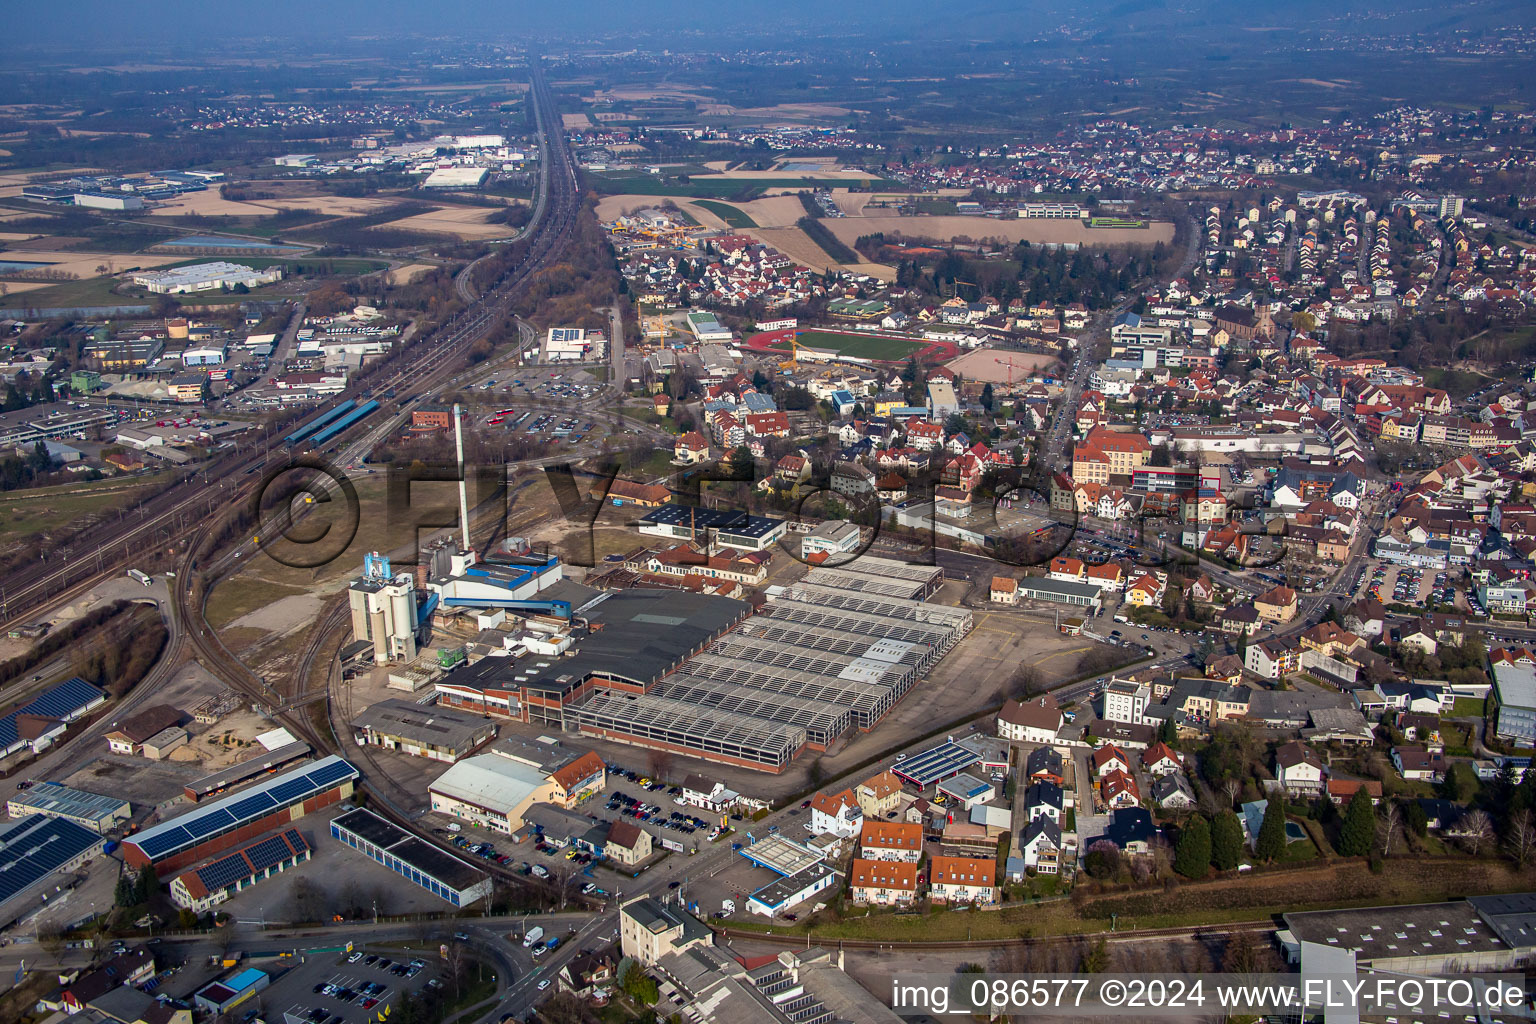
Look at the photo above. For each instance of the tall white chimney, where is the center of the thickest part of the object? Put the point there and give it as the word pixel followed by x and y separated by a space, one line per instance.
pixel 458 442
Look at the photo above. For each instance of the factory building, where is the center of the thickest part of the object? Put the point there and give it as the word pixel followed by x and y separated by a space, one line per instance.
pixel 439 734
pixel 411 857
pixel 203 888
pixel 204 277
pixel 384 611
pixel 109 201
pixel 32 851
pixel 225 823
pixel 489 791
pixel 98 813
pixel 37 723
pixel 696 675
pixel 716 527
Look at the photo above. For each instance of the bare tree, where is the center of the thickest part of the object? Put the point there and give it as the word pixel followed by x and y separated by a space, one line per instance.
pixel 1389 826
pixel 1474 831
pixel 51 938
pixel 1232 787
pixel 1026 682
pixel 660 762
pixel 1520 837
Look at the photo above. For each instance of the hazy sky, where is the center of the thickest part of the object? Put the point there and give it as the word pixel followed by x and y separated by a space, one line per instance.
pixel 176 24
pixel 179 26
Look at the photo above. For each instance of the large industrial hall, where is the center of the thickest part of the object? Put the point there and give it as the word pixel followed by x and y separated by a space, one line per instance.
pixel 703 676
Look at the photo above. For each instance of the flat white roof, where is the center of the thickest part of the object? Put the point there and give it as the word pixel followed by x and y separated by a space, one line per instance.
pixel 490 781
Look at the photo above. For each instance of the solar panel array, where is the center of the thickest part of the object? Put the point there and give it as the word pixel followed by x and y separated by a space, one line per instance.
pixel 35 847
pixel 250 861
pixel 935 763
pixel 62 701
pixel 240 808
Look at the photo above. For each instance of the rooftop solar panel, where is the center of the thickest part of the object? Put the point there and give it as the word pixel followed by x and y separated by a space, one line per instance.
pixel 334 772
pixel 264 854
pixel 224 872
pixel 161 843
pixel 237 809
pixel 251 806
pixel 286 791
pixel 211 824
pixel 936 763
pixel 35 848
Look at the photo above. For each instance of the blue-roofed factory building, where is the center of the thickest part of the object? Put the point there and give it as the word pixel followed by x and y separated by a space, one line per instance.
pixel 40 721
pixel 94 811
pixel 242 816
pixel 32 851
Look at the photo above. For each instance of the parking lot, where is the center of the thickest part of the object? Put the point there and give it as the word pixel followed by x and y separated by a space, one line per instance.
pixel 1392 584
pixel 351 988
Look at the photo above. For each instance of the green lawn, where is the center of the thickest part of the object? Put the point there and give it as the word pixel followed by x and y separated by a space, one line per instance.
pixel 861 345
pixel 1467 707
pixel 1459 383
pixel 733 217
pixel 26 512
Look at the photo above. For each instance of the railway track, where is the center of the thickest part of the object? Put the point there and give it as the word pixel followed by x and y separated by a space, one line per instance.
pixel 229 481
pixel 1129 935
pixel 426 364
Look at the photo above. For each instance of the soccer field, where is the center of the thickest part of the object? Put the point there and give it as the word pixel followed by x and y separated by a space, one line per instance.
pixel 861 346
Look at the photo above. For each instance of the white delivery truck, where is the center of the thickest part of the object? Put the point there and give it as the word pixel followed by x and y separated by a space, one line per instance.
pixel 534 935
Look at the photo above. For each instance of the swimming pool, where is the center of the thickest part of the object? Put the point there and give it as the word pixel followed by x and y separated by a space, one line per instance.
pixel 1294 832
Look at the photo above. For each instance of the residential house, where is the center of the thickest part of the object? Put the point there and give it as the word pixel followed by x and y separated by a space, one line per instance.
pixel 1298 770
pixel 836 813
pixel 891 840
pixel 1044 764
pixel 1119 789
pixel 1276 605
pixel 1040 844
pixel 627 844
pixel 1043 799
pixel 963 880
pixel 1417 764
pixel 1110 758
pixel 1173 792
pixel 880 795
pixel 882 883
pixel 1161 759
pixel 1036 720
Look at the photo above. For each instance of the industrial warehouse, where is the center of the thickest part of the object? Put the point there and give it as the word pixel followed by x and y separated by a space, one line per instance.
pixel 699 676
pixel 440 873
pixel 89 810
pixel 218 826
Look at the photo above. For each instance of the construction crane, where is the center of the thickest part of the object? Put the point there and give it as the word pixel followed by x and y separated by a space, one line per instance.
pixel 793 362
pixel 973 284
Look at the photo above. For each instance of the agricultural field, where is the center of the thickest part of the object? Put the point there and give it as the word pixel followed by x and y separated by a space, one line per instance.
pixel 948 228
pixel 734 217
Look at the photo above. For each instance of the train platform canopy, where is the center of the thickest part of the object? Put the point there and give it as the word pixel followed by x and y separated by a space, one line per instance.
pixel 935 764
pixel 781 856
